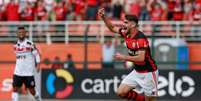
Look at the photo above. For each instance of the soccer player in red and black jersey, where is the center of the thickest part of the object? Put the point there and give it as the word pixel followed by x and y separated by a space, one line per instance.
pixel 144 76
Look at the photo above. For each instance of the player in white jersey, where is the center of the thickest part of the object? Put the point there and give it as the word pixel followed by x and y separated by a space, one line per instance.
pixel 27 60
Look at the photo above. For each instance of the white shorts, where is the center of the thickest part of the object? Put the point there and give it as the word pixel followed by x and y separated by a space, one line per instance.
pixel 143 82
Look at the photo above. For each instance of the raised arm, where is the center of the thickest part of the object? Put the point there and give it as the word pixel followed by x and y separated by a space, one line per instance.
pixel 112 27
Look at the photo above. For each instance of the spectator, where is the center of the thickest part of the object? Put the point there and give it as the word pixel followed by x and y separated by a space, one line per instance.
pixel 57 63
pixel 22 4
pixel 41 14
pixel 49 4
pixel 91 10
pixel 70 14
pixel 47 62
pixel 187 9
pixel 108 9
pixel 69 63
pixel 155 15
pixel 60 11
pixel 156 12
pixel 12 11
pixel 196 12
pixel 127 4
pixel 178 13
pixel 117 9
pixel 2 13
pixel 79 9
pixel 86 9
pixel 196 16
pixel 12 14
pixel 28 13
pixel 134 8
pixel 171 5
pixel 144 14
pixel 108 50
pixel 40 11
pixel 60 15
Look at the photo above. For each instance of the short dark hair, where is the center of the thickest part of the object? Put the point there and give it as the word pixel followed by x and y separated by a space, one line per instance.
pixel 21 27
pixel 133 18
pixel 69 55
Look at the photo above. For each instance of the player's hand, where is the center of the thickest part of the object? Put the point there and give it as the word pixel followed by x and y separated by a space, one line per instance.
pixel 37 68
pixel 101 12
pixel 119 56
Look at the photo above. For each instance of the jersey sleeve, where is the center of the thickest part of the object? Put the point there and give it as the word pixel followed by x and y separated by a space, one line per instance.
pixel 142 43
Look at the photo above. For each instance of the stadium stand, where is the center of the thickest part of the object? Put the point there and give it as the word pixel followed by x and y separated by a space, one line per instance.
pixel 51 23
pixel 60 10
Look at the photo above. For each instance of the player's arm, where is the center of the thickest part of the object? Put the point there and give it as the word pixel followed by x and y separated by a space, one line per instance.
pixel 36 54
pixel 138 57
pixel 107 22
pixel 37 57
pixel 140 54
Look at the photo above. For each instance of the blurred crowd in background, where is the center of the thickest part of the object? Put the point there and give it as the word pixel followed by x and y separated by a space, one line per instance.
pixel 64 10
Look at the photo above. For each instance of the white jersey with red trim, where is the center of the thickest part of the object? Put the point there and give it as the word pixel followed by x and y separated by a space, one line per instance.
pixel 26 58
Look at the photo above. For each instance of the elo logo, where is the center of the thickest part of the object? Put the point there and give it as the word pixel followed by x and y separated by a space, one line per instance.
pixel 60 73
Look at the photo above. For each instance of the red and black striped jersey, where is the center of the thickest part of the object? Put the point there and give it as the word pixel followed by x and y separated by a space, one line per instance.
pixel 139 42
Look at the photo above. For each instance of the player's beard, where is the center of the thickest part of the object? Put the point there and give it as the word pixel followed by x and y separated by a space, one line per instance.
pixel 128 31
pixel 21 38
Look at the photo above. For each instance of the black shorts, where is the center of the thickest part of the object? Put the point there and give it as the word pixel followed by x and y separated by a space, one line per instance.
pixel 28 81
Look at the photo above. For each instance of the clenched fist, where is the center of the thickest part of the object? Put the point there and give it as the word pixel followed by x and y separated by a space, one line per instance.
pixel 101 12
pixel 119 56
